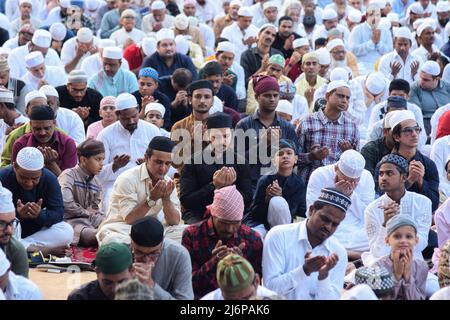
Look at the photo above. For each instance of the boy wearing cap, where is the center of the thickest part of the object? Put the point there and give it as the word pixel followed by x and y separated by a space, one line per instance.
pixel 39 74
pixel 78 48
pixel 154 114
pixel 128 34
pixel 107 112
pixel 410 273
pixel 302 261
pixel 81 189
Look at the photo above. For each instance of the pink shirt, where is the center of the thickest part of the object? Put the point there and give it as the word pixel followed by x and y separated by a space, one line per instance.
pixel 442 219
pixel 94 129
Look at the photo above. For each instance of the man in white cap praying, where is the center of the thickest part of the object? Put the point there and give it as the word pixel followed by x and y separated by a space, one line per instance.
pixel 128 34
pixel 349 176
pixel 341 57
pixel 443 17
pixel 59 33
pixel 330 21
pixel 182 26
pixel 113 80
pixel 78 48
pixel 157 19
pixel 9 117
pixel 39 205
pixel 15 287
pixel 111 19
pixel 368 41
pixel 9 244
pixel 25 7
pixel 125 142
pixel 41 41
pixel 39 74
pixel 24 35
pixel 166 60
pixel 429 92
pixel 426 34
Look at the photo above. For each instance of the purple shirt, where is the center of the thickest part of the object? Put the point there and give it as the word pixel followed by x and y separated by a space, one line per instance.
pixel 61 143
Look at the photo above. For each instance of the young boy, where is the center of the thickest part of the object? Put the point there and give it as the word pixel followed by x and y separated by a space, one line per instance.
pixel 81 190
pixel 410 274
pixel 154 113
pixel 285 110
pixel 278 197
pixel 107 112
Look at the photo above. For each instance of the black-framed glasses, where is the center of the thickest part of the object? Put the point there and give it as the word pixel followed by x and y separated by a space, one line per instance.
pixel 13 224
pixel 409 130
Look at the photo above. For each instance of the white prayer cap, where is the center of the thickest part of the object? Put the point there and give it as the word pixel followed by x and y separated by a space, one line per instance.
pixel 431 67
pixel 125 101
pixel 158 5
pixel 333 85
pixel 25 1
pixel 105 43
pixel 91 5
pixel 34 94
pixel 64 3
pixel 416 8
pixel 335 43
pixel 226 46
pixel 399 116
pixel 403 32
pixel 193 21
pixel 442 6
pixel 85 35
pixel 375 83
pixel 128 13
pixel 385 23
pixel 422 28
pixel 148 45
pixel 77 76
pixel 30 158
pixel 381 3
pixel 6 202
pixel 112 53
pixel 235 3
pixel 329 14
pixel 182 44
pixel 217 106
pixel 165 34
pixel 387 119
pixel 324 56
pixel 156 107
pixel 58 31
pixel 42 38
pixel 285 106
pixel 269 4
pixel 49 91
pixel 441 294
pixel 355 16
pixel 359 292
pixel 393 17
pixel 431 22
pixel 267 25
pixel 417 23
pixel 5 51
pixel 4 263
pixel 351 163
pixel 34 59
pixel 181 22
pixel 6 96
pixel 339 73
pixel 245 12
pixel 300 42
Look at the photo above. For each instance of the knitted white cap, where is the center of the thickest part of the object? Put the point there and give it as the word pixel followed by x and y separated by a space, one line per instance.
pixel 30 158
pixel 334 43
pixel 182 44
pixel 85 35
pixel 125 101
pixel 329 14
pixel 58 31
pixel 112 53
pixel 245 12
pixel 402 32
pixel 181 22
pixel 431 67
pixel 158 5
pixel 34 94
pixel 300 42
pixel 351 164
pixel 49 91
pixel 376 83
pixel 324 56
pixel 226 46
pixel 34 59
pixel 156 107
pixel 285 106
pixel 42 38
pixel 148 45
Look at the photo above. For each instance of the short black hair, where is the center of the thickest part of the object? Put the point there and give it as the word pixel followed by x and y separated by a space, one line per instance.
pixel 212 68
pixel 399 84
pixel 320 42
pixel 182 77
pixel 8 105
pixel 285 18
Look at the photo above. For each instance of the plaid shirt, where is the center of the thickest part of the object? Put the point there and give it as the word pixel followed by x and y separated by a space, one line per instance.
pixel 200 240
pixel 318 129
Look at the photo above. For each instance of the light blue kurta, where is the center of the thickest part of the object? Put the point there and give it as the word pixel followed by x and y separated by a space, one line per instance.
pixel 123 81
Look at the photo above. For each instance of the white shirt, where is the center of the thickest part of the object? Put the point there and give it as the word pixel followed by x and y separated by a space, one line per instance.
pixel 148 20
pixel 20 288
pixel 241 93
pixel 118 141
pixel 217 294
pixel 208 36
pixel 350 232
pixel 320 31
pixel 54 76
pixel 71 123
pixel 284 252
pixel 11 43
pixel 405 71
pixel 301 108
pixel 16 61
pixel 53 16
pixel 69 51
pixel 121 36
pixel 413 204
pixel 235 35
pixel 423 53
pixel 5 23
pixel 435 120
pixel 4 127
pixel 12 8
pixel 93 64
pixel 440 152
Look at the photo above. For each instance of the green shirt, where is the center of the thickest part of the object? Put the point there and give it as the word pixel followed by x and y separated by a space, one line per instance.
pixel 17 256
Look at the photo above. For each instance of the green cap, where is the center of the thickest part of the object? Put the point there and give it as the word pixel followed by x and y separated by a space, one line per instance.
pixel 234 273
pixel 277 59
pixel 113 258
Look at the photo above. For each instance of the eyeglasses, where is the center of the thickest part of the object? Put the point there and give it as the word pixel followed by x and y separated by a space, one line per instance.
pixel 409 130
pixel 141 256
pixel 13 224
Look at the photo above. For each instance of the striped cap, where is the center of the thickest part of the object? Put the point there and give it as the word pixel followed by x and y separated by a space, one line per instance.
pixel 379 279
pixel 335 198
pixel 234 273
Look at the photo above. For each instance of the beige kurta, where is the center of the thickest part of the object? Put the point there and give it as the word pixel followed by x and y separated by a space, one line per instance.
pixel 81 195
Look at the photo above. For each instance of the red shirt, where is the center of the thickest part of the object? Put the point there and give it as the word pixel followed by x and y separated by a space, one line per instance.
pixel 294 72
pixel 134 56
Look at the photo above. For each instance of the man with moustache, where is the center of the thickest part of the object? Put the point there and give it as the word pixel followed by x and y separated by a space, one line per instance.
pixel 285 36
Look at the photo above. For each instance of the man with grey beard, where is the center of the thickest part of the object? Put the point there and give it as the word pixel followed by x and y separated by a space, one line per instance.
pixel 342 58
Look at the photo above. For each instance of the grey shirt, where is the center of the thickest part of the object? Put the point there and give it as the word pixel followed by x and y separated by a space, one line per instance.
pixel 430 101
pixel 173 273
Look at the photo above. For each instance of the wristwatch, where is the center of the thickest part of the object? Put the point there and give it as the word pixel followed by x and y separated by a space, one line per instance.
pixel 150 202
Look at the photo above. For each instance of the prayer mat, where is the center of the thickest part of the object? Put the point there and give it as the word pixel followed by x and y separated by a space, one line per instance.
pixel 83 254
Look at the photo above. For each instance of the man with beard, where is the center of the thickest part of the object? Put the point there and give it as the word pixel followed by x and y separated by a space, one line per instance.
pixel 213 73
pixel 227 20
pixel 341 57
pixel 302 261
pixel 443 15
pixel 125 142
pixel 426 34
pixel 38 74
pixel 157 19
pixel 324 135
pixel 166 60
pixel 111 19
pixel 285 37
pixel 144 190
pixel 11 246
pixel 224 233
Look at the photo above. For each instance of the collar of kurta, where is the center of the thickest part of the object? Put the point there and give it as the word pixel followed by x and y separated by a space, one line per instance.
pixel 402 200
pixel 123 130
pixel 323 118
pixel 115 77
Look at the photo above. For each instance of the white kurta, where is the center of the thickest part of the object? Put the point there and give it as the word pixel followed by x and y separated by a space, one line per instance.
pixel 68 51
pixel 405 71
pixel 235 35
pixel 217 294
pixel 11 43
pixel 121 36
pixel 241 92
pixel 4 127
pixel 54 76
pixel 417 206
pixel 351 232
pixel 12 8
pixel 423 53
pixel 93 65
pixel 16 61
pixel 71 123
pixel 320 31
pixel 440 152
pixel 284 252
pixel 434 122
pixel 20 288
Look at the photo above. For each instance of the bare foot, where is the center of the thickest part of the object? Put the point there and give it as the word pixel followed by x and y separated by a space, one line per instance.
pixel 62 251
